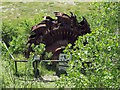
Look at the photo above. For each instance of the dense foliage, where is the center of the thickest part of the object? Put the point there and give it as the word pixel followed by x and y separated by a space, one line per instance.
pixel 96 64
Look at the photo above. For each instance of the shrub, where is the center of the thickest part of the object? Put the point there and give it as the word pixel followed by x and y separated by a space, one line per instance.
pixel 96 64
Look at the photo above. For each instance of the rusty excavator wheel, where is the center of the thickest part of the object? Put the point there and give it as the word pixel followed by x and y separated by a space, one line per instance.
pixel 57 33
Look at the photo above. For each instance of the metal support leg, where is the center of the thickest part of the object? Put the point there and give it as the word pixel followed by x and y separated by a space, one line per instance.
pixel 36 71
pixel 15 67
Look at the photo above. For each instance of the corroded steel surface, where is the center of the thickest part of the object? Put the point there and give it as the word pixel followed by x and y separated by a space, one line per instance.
pixel 57 33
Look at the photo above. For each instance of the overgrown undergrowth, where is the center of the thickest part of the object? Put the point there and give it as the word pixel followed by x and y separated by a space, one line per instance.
pixel 94 65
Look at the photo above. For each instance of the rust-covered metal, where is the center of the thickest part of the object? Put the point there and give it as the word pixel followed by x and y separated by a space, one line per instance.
pixel 57 33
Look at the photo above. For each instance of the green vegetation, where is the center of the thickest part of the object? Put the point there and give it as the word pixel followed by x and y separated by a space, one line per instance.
pixel 94 65
pixel 97 63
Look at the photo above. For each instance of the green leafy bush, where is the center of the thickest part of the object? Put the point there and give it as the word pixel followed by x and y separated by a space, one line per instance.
pixel 97 63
